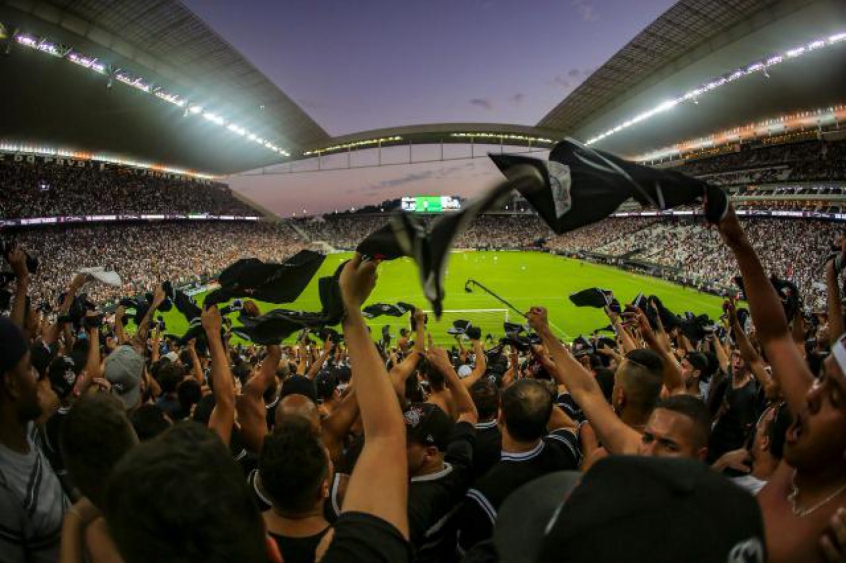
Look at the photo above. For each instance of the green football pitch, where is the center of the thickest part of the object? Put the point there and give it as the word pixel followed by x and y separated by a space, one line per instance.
pixel 523 278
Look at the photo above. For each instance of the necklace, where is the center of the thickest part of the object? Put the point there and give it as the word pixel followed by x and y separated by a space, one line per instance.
pixel 802 512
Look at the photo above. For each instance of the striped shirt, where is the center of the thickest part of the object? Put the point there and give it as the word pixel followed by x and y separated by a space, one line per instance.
pixel 32 505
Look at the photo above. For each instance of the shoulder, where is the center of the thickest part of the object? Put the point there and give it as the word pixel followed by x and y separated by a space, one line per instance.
pixel 363 537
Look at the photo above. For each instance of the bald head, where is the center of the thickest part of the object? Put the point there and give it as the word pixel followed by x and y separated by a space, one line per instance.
pixel 298 405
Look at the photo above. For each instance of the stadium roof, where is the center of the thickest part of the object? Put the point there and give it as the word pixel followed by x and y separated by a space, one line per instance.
pixel 694 42
pixel 164 42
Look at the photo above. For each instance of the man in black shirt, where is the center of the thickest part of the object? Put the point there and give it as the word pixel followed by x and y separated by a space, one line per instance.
pixel 440 463
pixel 528 452
pixel 488 446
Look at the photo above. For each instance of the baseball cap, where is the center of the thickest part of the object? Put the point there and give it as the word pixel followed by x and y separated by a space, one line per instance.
pixel 428 424
pixel 698 360
pixel 13 345
pixel 124 368
pixel 640 501
pixel 62 374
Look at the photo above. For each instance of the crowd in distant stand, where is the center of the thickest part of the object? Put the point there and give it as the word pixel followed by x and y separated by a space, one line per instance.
pixel 39 189
pixel 806 161
pixel 143 254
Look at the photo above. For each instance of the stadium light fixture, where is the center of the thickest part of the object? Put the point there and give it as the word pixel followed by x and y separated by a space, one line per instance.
pixel 775 125
pixel 354 145
pixel 54 49
pixel 750 69
pixel 43 150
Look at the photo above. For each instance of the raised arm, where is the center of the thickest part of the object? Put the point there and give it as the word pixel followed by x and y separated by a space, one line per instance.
pixel 613 432
pixel 834 303
pixel 673 380
pixel 92 363
pixel 481 365
pixel 250 405
pixel 139 341
pixel 464 404
pixel 324 355
pixel 420 327
pixel 383 458
pixel 223 415
pixel 789 368
pixel 401 371
pixel 17 260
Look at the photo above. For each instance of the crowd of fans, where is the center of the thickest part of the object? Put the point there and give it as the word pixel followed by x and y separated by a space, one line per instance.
pixel 679 441
pixel 143 254
pixel 805 161
pixel 47 189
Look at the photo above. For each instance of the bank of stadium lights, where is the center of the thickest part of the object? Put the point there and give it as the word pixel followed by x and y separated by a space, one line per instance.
pixel 354 145
pixel 43 150
pixel 693 95
pixel 137 82
pixel 780 125
pixel 504 137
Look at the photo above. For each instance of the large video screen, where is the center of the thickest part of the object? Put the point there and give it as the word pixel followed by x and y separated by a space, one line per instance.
pixel 431 204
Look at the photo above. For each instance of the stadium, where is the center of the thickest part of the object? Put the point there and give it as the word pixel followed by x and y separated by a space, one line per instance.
pixel 518 314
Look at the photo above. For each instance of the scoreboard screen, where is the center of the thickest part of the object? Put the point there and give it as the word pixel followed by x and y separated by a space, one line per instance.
pixel 431 204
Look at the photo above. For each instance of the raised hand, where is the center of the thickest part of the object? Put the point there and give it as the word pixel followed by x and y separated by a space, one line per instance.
pixel 538 319
pixel 212 321
pixel 17 260
pixel 358 279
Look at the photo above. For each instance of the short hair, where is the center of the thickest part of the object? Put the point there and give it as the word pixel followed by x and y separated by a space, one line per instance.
pixel 170 376
pixel 695 409
pixel 93 438
pixel 149 421
pixel 181 497
pixel 293 465
pixel 485 396
pixel 188 393
pixel 641 376
pixel 777 430
pixel 526 406
pixel 605 379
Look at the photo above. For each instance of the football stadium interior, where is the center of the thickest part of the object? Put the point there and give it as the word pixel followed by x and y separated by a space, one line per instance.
pixel 126 128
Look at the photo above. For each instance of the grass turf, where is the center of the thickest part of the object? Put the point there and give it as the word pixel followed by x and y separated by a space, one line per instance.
pixel 523 278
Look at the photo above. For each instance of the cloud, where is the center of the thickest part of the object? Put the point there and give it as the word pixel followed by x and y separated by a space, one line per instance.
pixel 434 173
pixel 561 80
pixel 483 103
pixel 517 98
pixel 585 10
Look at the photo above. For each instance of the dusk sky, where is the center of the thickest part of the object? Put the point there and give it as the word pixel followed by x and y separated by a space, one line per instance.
pixel 366 64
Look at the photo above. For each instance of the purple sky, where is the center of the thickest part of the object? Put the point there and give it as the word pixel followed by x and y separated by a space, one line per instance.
pixel 365 64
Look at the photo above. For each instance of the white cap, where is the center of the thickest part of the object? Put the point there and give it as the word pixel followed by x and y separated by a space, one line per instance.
pixel 464 371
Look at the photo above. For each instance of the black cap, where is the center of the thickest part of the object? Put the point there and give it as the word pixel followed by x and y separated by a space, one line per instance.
pixel 41 354
pixel 428 424
pixel 298 385
pixel 13 345
pixel 62 374
pixel 592 297
pixel 699 361
pixel 639 502
pixel 270 282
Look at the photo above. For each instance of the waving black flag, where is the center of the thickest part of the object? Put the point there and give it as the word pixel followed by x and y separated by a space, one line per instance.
pixel 408 234
pixel 270 282
pixel 582 186
pixel 389 309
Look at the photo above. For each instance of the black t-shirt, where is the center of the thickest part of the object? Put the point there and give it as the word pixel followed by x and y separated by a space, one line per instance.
pixel 367 538
pixel 51 431
pixel 298 550
pixel 331 506
pixel 558 451
pixel 739 417
pixel 433 499
pixel 570 407
pixel 486 452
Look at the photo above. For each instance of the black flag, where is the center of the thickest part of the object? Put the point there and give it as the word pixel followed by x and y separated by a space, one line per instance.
pixel 408 234
pixel 582 186
pixel 273 283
